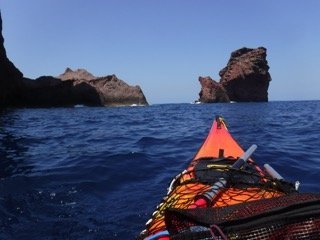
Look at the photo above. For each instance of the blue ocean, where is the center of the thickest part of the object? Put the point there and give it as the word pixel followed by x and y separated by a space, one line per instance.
pixel 98 173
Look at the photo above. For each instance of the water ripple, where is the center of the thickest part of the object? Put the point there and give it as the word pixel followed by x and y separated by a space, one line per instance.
pixel 79 173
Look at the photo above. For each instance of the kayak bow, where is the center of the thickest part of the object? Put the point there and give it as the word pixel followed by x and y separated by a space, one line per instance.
pixel 217 189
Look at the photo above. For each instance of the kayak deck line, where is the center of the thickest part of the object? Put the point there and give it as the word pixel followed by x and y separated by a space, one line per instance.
pixel 221 176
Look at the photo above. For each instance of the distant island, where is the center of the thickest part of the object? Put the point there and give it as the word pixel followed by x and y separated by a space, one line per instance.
pixel 71 88
pixel 245 79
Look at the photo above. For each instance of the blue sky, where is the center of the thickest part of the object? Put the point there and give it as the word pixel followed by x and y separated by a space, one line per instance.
pixel 165 45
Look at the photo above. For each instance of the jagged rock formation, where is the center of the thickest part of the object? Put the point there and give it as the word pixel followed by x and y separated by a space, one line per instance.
pixel 114 91
pixel 111 90
pixel 211 91
pixel 79 74
pixel 70 88
pixel 245 78
pixel 80 87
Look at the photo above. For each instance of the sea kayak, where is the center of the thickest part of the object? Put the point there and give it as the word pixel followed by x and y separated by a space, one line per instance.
pixel 224 194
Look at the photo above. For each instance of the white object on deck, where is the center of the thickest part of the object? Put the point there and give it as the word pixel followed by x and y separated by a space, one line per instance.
pixel 273 173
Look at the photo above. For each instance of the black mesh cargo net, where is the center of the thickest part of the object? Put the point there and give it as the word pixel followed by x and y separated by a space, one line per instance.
pixel 294 216
pixel 250 206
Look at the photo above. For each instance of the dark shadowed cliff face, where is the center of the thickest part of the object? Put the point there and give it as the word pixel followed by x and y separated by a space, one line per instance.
pixel 10 76
pixel 246 77
pixel 48 91
pixel 211 91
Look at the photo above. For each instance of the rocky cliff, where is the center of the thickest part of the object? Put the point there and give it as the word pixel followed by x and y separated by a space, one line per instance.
pixel 48 91
pixel 10 76
pixel 111 90
pixel 70 88
pixel 245 78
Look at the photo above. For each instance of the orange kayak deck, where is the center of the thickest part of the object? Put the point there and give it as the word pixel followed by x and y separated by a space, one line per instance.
pixel 219 138
pixel 186 186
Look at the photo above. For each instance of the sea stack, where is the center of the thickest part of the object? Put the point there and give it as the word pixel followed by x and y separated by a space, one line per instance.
pixel 245 78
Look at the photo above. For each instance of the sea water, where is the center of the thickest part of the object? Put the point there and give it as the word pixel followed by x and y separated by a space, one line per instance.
pixel 98 173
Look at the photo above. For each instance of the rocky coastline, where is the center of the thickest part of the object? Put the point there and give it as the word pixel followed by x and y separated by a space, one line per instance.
pixel 245 78
pixel 70 88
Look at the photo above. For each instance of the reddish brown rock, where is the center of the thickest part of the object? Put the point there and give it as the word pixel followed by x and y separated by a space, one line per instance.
pixel 79 74
pixel 246 77
pixel 114 91
pixel 211 91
